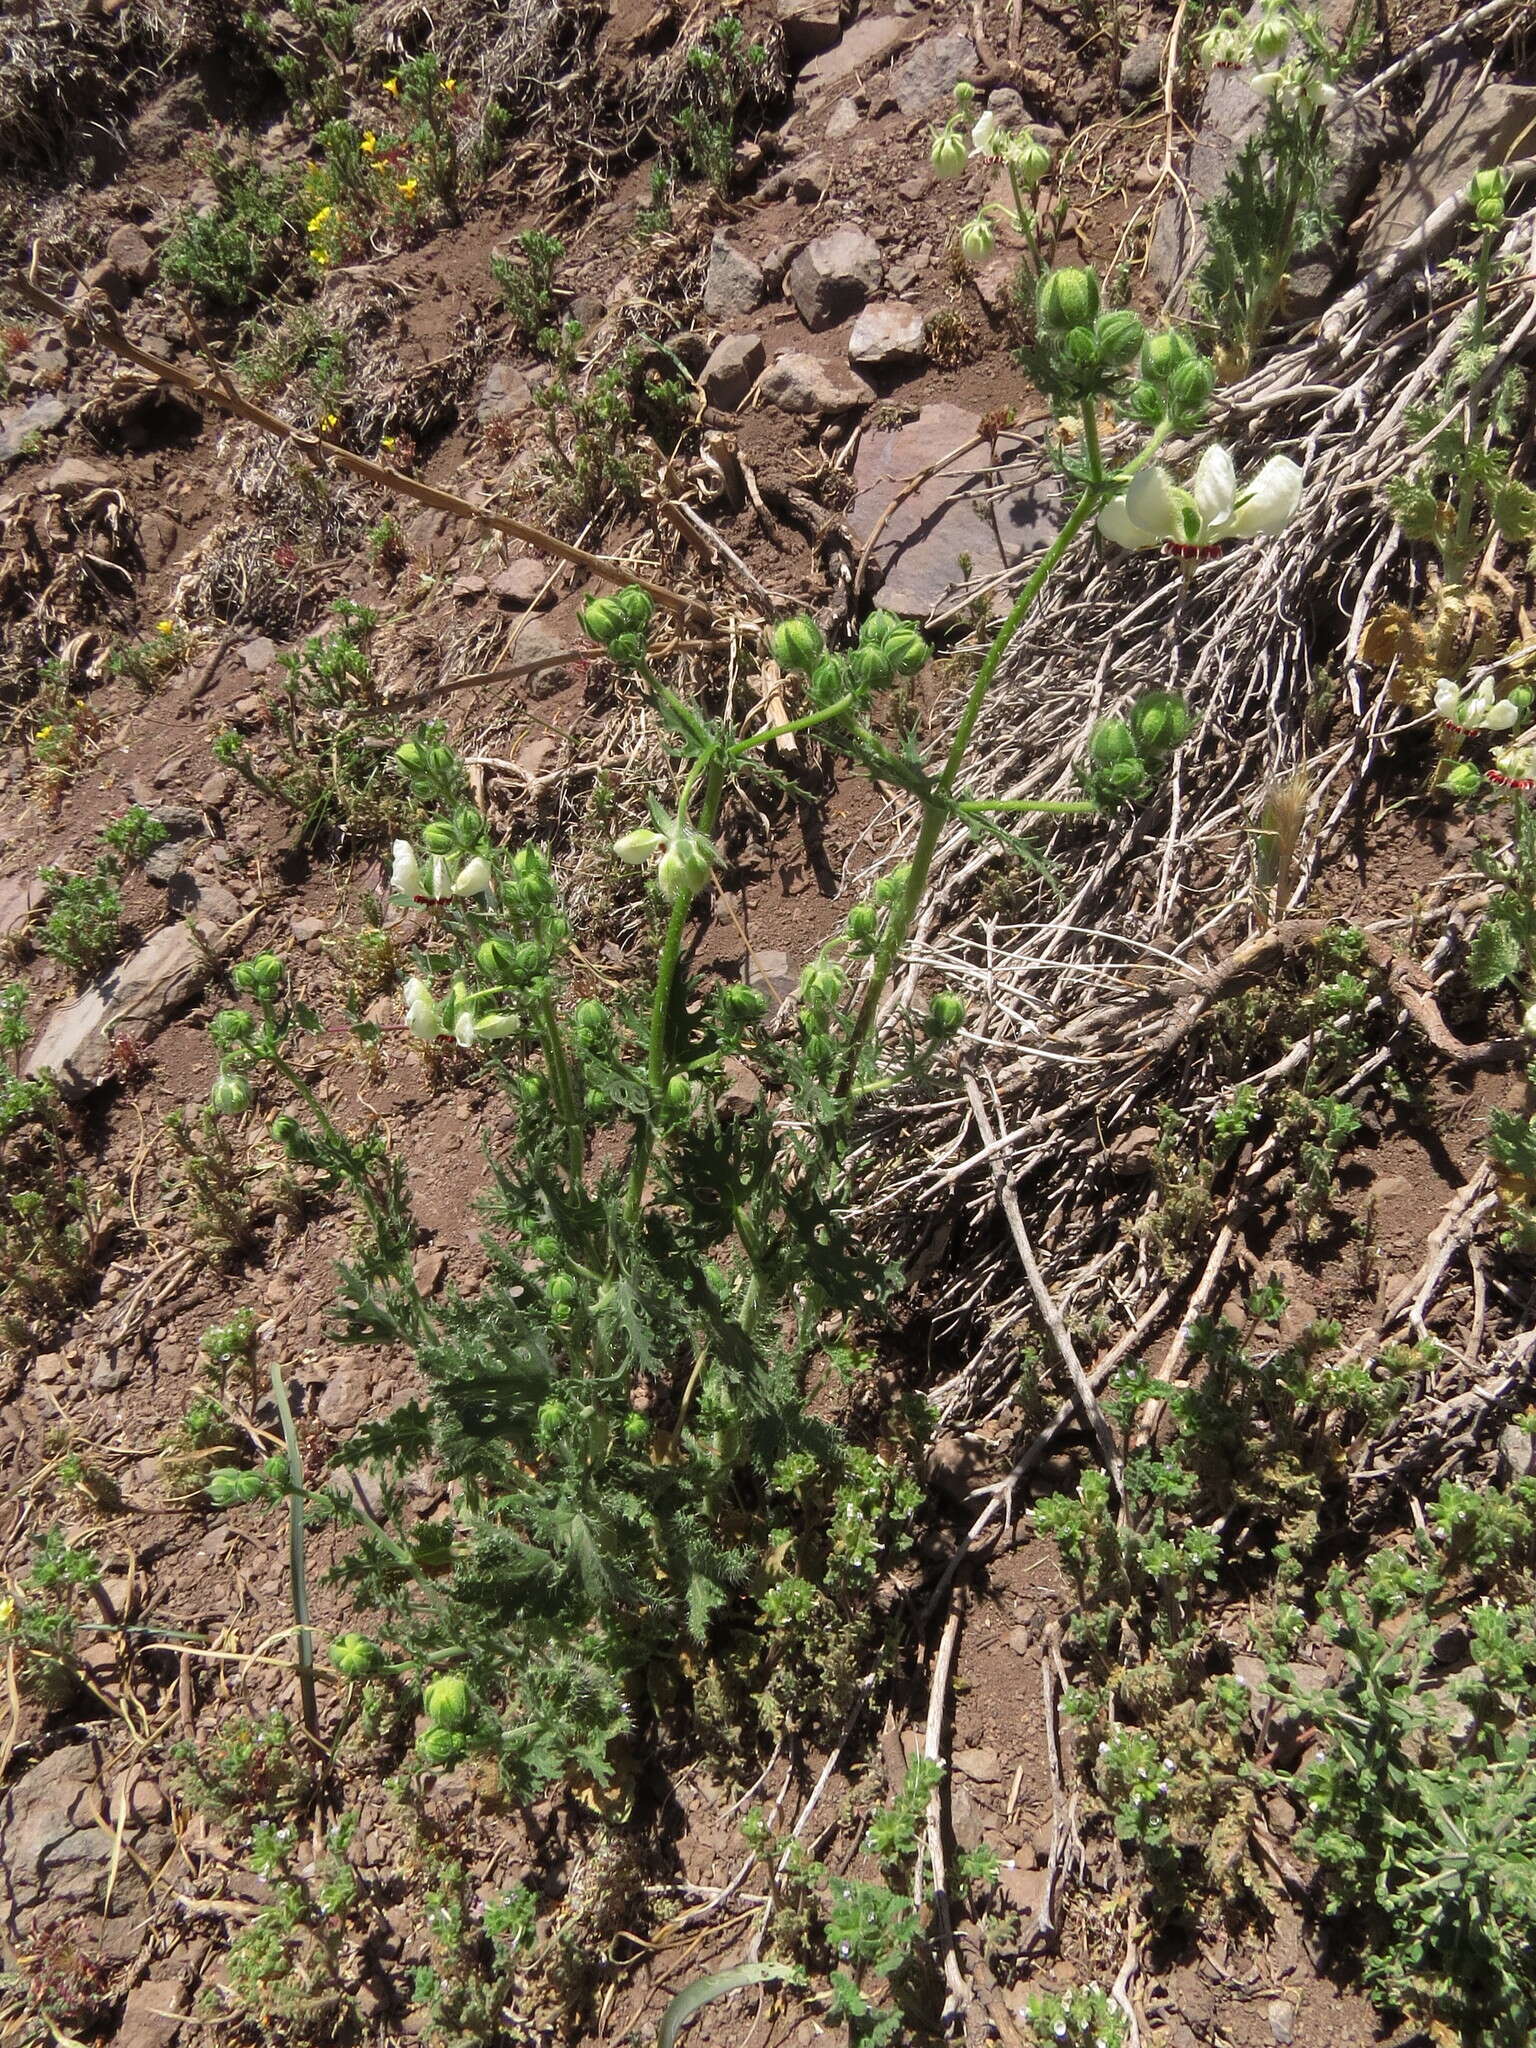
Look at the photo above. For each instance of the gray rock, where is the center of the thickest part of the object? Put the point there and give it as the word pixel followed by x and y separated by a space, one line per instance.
pixel 833 276
pixel 886 335
pixel 1141 70
pixel 504 393
pixel 258 656
pixel 690 348
pixel 346 1396
pixel 40 417
pixel 932 72
pixel 1230 112
pixel 919 552
pixel 1468 126
pixel 865 45
pixel 732 370
pixel 140 997
pixel 1007 105
pixel 165 864
pixel 733 284
pixel 810 26
pixel 842 121
pixel 57 1855
pixel 769 974
pixel 522 583
pixel 803 182
pixel 151 2014
pixel 129 251
pixel 802 385
pixel 74 478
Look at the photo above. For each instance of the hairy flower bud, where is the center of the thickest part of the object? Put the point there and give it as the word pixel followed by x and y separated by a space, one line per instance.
pixel 879 628
pixel 441 1746
pixel 627 649
pixel 230 1094
pixel 355 1656
pixel 1190 387
pixel 637 847
pixel 496 959
pixel 231 1488
pixel 946 1013
pixel 1111 742
pixel 1119 336
pixel 1067 298
pixel 829 682
pixel 740 1004
pixel 870 668
pixel 1162 354
pixel 637 607
pixel 591 1023
pixel 448 1702
pixel 1160 721
pixel 261 977
pixel 1462 779
pixel 907 651
pixel 679 1094
pixel 684 868
pixel 1486 194
pixel 797 645
pixel 948 153
pixel 978 238
pixel 1270 39
pixel 602 618
pixel 863 926
pixel 439 837
pixel 1029 159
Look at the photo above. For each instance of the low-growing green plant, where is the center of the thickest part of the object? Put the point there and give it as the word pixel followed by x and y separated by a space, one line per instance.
pixel 727 81
pixel 526 282
pixel 48 1227
pixel 134 836
pixel 247 1769
pixel 311 55
pixel 83 927
pixel 230 256
pixel 40 1618
pixel 146 662
pixel 1085 2017
pixel 286 1967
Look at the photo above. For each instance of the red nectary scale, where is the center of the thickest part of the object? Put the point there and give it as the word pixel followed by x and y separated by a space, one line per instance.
pixel 1510 781
pixel 1192 551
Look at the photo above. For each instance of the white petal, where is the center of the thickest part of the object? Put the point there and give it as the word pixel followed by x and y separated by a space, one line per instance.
pixel 1270 502
pixel 984 135
pixel 405 875
pixel 1116 524
pixel 1213 488
pixel 464 1027
pixel 1447 700
pixel 1152 503
pixel 474 878
pixel 1498 717
pixel 1264 83
pixel 442 878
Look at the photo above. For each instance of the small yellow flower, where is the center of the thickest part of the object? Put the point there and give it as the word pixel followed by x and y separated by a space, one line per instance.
pixel 380 165
pixel 369 143
pixel 45 732
pixel 329 423
pixel 388 442
pixel 407 188
pixel 166 627
pixel 450 85
pixel 320 220
pixel 318 256
pixel 392 87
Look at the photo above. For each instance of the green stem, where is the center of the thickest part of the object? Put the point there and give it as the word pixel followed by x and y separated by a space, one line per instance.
pixel 1024 220
pixel 658 1062
pixel 298 1582
pixel 779 732
pixel 1049 807
pixel 936 809
pixel 565 1089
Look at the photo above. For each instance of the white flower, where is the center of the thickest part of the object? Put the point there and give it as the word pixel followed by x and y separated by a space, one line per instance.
pixel 474 879
pixel 1516 763
pixel 423 1019
pixel 639 846
pixel 986 136
pixel 1153 509
pixel 1294 86
pixel 978 238
pixel 405 875
pixel 442 877
pixel 497 1025
pixel 1477 709
pixel 464 1027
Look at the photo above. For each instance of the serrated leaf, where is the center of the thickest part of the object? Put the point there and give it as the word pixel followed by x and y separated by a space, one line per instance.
pixel 1494 957
pixel 704 1990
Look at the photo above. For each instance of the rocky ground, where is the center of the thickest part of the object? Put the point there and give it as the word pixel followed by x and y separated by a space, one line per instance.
pixel 857 431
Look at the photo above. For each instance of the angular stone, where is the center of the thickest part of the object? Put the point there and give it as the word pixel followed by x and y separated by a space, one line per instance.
pixel 57 1853
pixel 151 2015
pixel 73 478
pixel 258 655
pixel 833 276
pixel 732 370
pixel 842 121
pixel 932 72
pixel 1469 126
pixel 920 547
pixel 140 997
pixel 1230 112
pixel 129 251
pixel 803 385
pixel 504 393
pixel 733 284
pixel 40 417
pixel 809 26
pixel 860 50
pixel 886 335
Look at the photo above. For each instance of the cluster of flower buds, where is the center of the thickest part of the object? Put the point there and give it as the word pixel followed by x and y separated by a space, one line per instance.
pixel 1488 193
pixel 684 858
pixel 1478 707
pixel 888 647
pixel 1288 60
pixel 620 623
pixel 1026 159
pixel 1154 511
pixel 1175 384
pixel 450 1710
pixel 1085 348
pixel 1125 754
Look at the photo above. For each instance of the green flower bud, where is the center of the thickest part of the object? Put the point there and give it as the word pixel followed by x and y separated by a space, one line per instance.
pixel 563 1288
pixel 261 977
pixel 684 868
pixel 878 628
pixel 231 1488
pixel 440 837
pixel 870 668
pixel 529 960
pixel 447 1701
pixel 531 1090
pixel 679 1094
pixel 1080 346
pixel 740 1004
pixel 290 1134
pixel 1190 388
pixel 1487 194
pixel 230 1094
pixel 797 645
pixel 591 1023
pixel 553 1416
pixel 821 983
pixel 1030 158
pixel 412 757
pixel 627 649
pixel 829 682
pixel 1461 779
pixel 1111 742
pixel 355 1656
pixel 1160 720
pixel 1270 40
pixel 1143 403
pixel 890 887
pixel 441 1747
pixel 1066 299
pixel 1162 354
pixel 530 880
pixel 637 607
pixel 637 1429
pixel 497 959
pixel 1119 336
pixel 602 618
pixel 863 925
pixel 946 1013
pixel 907 651
pixel 948 154
pixel 978 238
